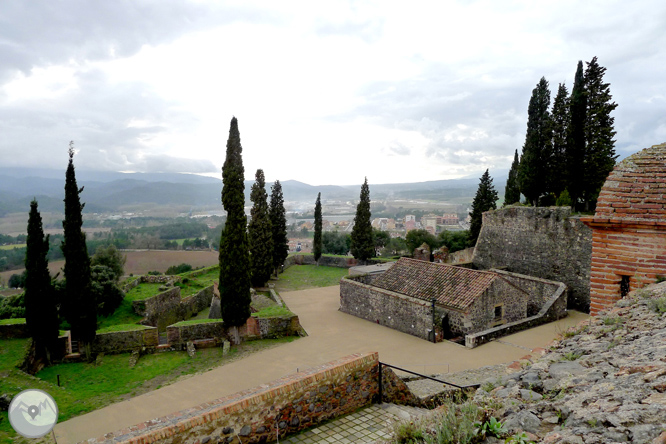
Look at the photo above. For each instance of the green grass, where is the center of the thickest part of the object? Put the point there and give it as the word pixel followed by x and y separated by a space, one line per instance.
pixel 13 321
pixel 123 315
pixel 143 291
pixel 88 386
pixel 12 246
pixel 195 321
pixel 273 311
pixel 121 327
pixel 194 284
pixel 300 277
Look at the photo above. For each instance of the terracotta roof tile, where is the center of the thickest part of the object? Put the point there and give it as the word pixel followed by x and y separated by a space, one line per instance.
pixel 449 285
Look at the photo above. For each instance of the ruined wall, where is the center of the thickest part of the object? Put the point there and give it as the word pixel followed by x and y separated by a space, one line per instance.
pixel 482 311
pixel 283 406
pixel 125 341
pixel 179 335
pixel 168 308
pixel 543 242
pixel 328 261
pixel 270 328
pixel 12 331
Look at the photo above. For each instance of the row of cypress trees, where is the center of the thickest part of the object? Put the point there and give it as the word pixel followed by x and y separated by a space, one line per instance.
pixel 569 149
pixel 248 253
pixel 362 243
pixel 78 305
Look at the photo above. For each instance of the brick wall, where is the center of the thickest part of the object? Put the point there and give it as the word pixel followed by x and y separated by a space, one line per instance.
pixel 543 242
pixel 629 228
pixel 633 251
pixel 284 406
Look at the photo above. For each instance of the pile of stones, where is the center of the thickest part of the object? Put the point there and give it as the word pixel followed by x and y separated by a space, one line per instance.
pixel 603 382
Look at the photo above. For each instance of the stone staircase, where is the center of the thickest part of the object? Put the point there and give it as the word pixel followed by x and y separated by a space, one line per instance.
pixel 403 411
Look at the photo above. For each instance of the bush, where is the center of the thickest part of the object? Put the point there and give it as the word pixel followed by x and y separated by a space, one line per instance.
pixel 17 280
pixel 178 269
pixel 105 289
pixel 12 307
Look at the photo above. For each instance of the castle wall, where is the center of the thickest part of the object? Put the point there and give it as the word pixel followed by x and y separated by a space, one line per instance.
pixel 543 242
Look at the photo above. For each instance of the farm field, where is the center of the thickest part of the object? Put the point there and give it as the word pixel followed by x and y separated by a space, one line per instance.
pixel 143 261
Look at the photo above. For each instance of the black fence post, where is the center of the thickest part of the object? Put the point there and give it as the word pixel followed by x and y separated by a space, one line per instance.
pixel 381 394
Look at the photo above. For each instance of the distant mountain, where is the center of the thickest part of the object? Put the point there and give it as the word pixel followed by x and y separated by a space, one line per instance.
pixel 106 192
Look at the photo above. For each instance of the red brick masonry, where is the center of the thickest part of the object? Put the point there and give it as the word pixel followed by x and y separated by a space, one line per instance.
pixel 283 406
pixel 629 227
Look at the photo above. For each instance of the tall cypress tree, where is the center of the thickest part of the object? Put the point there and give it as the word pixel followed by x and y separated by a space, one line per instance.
pixel 557 164
pixel 41 315
pixel 599 132
pixel 278 227
pixel 362 245
pixel 80 303
pixel 512 190
pixel 234 252
pixel 317 244
pixel 259 233
pixel 575 151
pixel 484 200
pixel 538 143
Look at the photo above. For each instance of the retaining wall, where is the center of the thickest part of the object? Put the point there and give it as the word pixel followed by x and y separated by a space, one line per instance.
pixel 12 331
pixel 543 242
pixel 179 335
pixel 125 341
pixel 168 308
pixel 328 261
pixel 284 406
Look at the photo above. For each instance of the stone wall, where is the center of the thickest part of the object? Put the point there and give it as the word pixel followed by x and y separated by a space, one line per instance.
pixel 270 328
pixel 179 335
pixel 12 331
pixel 543 242
pixel 125 341
pixel 168 308
pixel 460 257
pixel 513 302
pixel 394 310
pixel 284 406
pixel 554 308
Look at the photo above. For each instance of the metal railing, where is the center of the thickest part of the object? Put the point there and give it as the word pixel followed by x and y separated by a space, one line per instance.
pixel 383 364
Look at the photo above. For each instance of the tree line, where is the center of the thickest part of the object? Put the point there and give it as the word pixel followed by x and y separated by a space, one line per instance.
pixel 569 148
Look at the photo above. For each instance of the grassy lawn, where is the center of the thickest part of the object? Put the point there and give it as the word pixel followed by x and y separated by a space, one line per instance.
pixel 121 327
pixel 13 321
pixel 87 387
pixel 143 291
pixel 194 284
pixel 300 277
pixel 272 312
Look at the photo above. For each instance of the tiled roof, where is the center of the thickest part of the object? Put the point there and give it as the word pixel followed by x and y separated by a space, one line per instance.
pixel 448 285
pixel 636 188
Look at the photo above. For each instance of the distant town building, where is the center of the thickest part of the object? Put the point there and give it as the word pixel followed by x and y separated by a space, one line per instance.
pixel 450 219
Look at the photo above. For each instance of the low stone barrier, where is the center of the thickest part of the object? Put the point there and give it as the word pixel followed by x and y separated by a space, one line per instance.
pixel 125 341
pixel 14 331
pixel 179 335
pixel 270 328
pixel 281 407
pixel 168 307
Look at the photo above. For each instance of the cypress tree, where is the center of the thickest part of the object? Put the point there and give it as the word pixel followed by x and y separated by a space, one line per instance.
pixel 599 132
pixel 80 303
pixel 512 190
pixel 41 315
pixel 278 227
pixel 234 250
pixel 362 245
pixel 484 200
pixel 259 233
pixel 317 244
pixel 575 148
pixel 537 147
pixel 557 163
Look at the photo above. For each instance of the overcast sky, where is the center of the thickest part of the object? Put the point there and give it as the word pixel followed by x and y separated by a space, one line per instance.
pixel 324 92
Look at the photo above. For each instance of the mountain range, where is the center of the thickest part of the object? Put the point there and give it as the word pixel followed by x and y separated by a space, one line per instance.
pixel 107 192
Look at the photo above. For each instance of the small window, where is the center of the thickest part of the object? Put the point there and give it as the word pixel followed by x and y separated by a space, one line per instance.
pixel 624 286
pixel 498 312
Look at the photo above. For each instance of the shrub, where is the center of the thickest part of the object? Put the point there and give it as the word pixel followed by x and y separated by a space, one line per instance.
pixel 178 269
pixel 658 305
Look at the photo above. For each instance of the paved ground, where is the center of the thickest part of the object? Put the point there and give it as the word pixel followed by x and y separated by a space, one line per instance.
pixel 332 334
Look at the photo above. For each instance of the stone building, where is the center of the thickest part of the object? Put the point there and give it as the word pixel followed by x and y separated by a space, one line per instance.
pixel 629 228
pixel 425 299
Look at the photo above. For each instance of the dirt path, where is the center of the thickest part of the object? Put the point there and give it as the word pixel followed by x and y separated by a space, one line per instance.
pixel 332 334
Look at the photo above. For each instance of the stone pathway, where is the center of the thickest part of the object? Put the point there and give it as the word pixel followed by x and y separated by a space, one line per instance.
pixel 364 426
